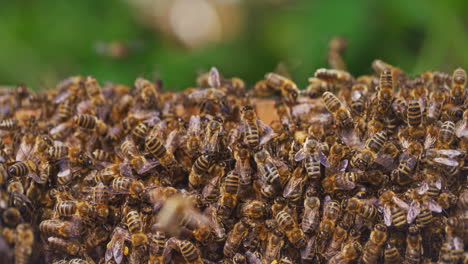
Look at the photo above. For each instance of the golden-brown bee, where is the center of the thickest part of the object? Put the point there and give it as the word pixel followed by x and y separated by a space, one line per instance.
pixel 331 213
pixel 414 114
pixel 194 141
pixel 334 76
pixel 341 181
pixel 290 228
pixel 385 92
pixel 336 48
pixel 266 166
pixel 9 124
pixel 116 248
pixel 413 252
pixel 253 209
pixel 446 135
pixel 242 157
pixel 457 90
pixel 135 226
pixel 364 208
pixel 157 242
pixel 341 114
pixel 373 248
pixel 148 92
pixel 311 215
pixel 363 159
pixel 61 228
pixel 318 86
pixel 70 208
pixel 235 237
pixel 391 254
pixel 128 186
pixel 252 134
pixel 229 191
pixel 102 155
pixel 90 123
pixel 199 169
pixel 295 186
pixel 286 87
pixel 452 250
pixel 187 249
pixel 24 243
pixel 338 238
pixel 212 135
pixel 275 243
pixel 312 154
pixel 23 168
pixel 348 253
pixel 11 217
pixel 422 206
pixel 71 247
pixel 158 150
pixel 94 91
pixel 377 141
pixel 394 209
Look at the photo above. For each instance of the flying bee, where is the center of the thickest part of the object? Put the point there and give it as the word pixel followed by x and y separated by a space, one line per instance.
pixel 290 228
pixel 287 88
pixel 128 186
pixel 413 252
pixel 380 66
pixel 90 123
pixel 336 48
pixel 311 216
pixel 348 253
pixel 457 89
pixel 158 150
pixel 199 169
pixel 187 249
pixel 394 209
pixel 341 114
pixel 229 191
pixel 422 206
pixel 116 248
pixel 24 243
pixel 361 207
pixel 373 248
pixel 341 181
pixel 312 152
pixel 235 237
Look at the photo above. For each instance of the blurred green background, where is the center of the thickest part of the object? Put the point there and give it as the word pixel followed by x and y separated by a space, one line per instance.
pixel 43 41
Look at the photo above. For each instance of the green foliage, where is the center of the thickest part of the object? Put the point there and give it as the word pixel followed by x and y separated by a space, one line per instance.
pixel 44 41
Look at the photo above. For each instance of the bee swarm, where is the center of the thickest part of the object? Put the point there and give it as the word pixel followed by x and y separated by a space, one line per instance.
pixel 369 169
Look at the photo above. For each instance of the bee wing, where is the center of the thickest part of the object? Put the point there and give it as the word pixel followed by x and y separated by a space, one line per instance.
pixel 214 79
pixel 433 206
pixel 24 151
pixel 172 141
pixel 62 96
pixel 323 159
pixel 343 165
pixel 387 215
pixel 400 203
pixel 424 188
pixel 429 141
pixel 451 153
pixel 460 129
pixel 148 165
pixel 326 200
pixel 35 177
pixel 301 109
pixel 446 161
pixel 386 161
pixel 308 248
pixel 268 132
pixel 126 170
pixel 194 125
pixel 415 209
pixel 198 95
pixel 210 186
pixel 351 138
pixel 117 251
pixel 292 185
pixel 300 155
pixel 64 168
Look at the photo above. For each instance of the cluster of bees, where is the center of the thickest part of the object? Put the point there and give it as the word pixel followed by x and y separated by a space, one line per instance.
pixel 351 170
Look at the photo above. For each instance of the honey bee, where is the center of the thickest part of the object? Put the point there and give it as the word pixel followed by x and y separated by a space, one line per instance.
pixel 348 253
pixel 394 209
pixel 331 213
pixel 55 227
pixel 24 168
pixel 413 252
pixel 147 92
pixel 128 186
pixel 380 66
pixel 290 228
pixel 317 87
pixel 199 168
pixel 338 238
pixel 212 135
pixel 446 135
pixel 312 154
pixel 385 93
pixel 116 248
pixel 334 76
pixel 422 206
pixel 457 89
pixel 94 91
pixel 235 237
pixel 253 209
pixel 242 157
pixel 70 208
pixel 187 249
pixel 24 243
pixel 295 186
pixel 135 226
pixel 452 250
pixel 391 254
pixel 311 216
pixel 71 247
pixel 266 166
pixel 158 150
pixel 275 243
pixel 404 174
pixel 229 191
pixel 341 114
pixel 363 208
pixel 336 48
pixel 157 242
pixel 286 87
pixel 341 181
pixel 373 248
pixel 90 123
pixel 194 142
